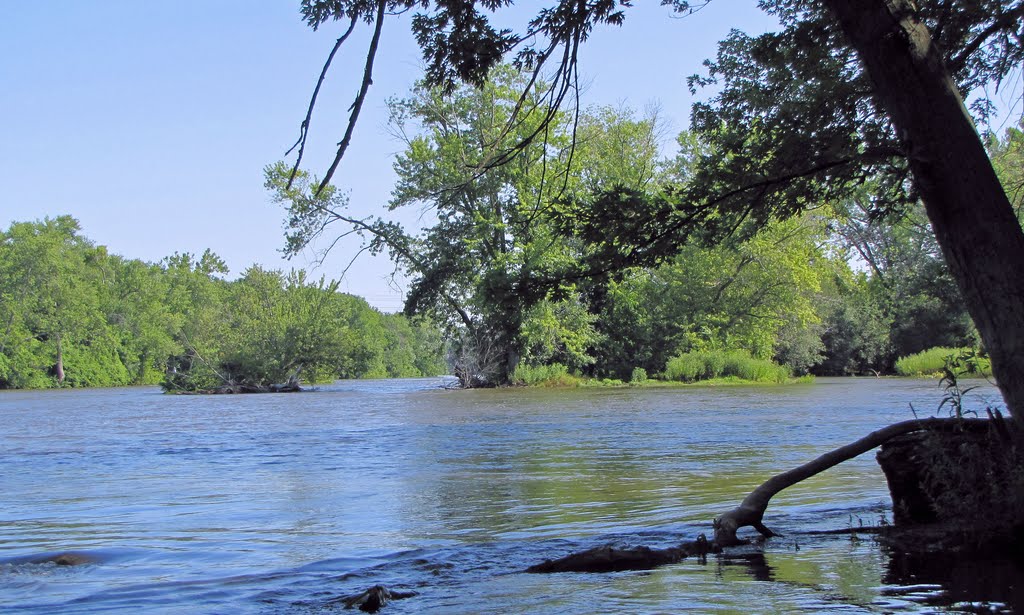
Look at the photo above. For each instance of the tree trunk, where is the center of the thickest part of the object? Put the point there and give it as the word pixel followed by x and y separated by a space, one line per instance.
pixel 59 367
pixel 973 220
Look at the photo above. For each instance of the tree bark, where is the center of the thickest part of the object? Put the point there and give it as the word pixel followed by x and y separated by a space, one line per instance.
pixel 973 220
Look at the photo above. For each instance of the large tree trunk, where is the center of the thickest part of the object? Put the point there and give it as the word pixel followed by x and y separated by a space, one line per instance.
pixel 973 220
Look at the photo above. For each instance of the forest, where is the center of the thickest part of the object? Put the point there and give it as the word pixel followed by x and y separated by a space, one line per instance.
pixel 834 291
pixel 525 295
pixel 562 243
pixel 74 315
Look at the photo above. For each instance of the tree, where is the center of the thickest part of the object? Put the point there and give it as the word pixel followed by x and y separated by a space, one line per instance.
pixel 736 295
pixel 492 254
pixel 849 90
pixel 269 329
pixel 1008 159
pixel 196 296
pixel 51 309
pixel 970 213
pixel 909 279
pixel 141 318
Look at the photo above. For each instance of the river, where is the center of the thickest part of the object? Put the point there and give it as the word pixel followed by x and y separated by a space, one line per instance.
pixel 286 503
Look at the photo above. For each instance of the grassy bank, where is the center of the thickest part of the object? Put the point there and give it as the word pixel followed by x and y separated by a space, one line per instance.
pixel 932 362
pixel 710 368
pixel 719 364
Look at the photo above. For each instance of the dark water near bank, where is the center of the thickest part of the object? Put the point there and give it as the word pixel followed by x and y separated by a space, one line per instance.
pixel 284 503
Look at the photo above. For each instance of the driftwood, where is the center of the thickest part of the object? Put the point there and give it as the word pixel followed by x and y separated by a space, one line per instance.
pixel 612 559
pixel 750 512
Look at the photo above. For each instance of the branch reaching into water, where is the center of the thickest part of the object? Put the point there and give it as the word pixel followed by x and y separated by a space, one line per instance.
pixel 749 513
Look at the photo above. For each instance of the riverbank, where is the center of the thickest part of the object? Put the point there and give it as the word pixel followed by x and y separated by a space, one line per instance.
pixel 573 382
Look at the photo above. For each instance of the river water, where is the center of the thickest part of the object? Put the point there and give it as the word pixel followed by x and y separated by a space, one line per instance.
pixel 287 503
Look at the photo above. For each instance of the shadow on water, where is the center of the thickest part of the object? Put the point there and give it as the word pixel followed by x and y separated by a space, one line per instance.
pixel 962 583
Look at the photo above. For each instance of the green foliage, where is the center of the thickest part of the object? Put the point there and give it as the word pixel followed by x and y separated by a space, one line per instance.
pixel 492 269
pixel 857 330
pixel 553 375
pixel 51 284
pixel 639 376
pixel 794 125
pixel 799 346
pixel 66 306
pixel 734 295
pixel 711 364
pixel 560 332
pixel 1007 156
pixel 941 361
pixel 281 328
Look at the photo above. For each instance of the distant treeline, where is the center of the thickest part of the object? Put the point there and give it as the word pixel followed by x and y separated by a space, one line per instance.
pixel 71 314
pixel 588 253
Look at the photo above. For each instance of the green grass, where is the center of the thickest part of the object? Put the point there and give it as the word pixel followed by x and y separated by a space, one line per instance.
pixel 554 375
pixel 723 365
pixel 930 363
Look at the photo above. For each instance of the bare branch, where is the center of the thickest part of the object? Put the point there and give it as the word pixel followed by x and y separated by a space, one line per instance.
pixel 357 105
pixel 304 127
pixel 751 510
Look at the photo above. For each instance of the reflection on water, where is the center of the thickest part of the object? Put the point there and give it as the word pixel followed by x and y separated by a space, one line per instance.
pixel 286 502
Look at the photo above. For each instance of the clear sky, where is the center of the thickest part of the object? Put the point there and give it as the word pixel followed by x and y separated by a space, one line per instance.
pixel 151 122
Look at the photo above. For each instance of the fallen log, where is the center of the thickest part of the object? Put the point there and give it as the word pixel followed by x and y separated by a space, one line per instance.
pixel 750 512
pixel 613 559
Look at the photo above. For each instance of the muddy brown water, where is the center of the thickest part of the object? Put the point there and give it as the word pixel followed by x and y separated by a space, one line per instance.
pixel 285 503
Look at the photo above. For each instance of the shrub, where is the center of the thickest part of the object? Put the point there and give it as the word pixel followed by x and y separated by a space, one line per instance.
pixel 932 361
pixel 686 367
pixel 639 375
pixel 554 375
pixel 705 365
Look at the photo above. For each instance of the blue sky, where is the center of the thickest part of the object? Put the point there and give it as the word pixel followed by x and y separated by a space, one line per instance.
pixel 151 122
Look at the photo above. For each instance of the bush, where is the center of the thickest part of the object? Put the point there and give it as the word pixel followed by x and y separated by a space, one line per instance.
pixel 706 365
pixel 686 367
pixel 932 361
pixel 554 375
pixel 639 375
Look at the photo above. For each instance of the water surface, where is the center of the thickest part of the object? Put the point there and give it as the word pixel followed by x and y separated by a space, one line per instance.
pixel 285 503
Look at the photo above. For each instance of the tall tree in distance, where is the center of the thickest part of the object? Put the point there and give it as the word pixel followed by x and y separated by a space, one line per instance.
pixel 492 252
pixel 867 89
pixel 846 92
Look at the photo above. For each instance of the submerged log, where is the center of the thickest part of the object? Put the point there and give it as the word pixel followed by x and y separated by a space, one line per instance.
pixel 751 510
pixel 613 559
